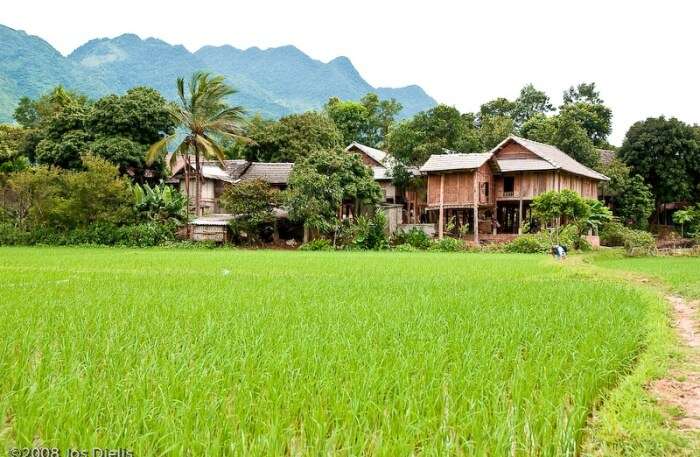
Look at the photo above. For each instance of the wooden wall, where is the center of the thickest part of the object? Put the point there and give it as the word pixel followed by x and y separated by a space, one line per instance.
pixel 530 184
pixel 459 188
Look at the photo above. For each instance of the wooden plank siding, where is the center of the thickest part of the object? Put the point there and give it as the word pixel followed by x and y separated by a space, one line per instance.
pixel 459 188
pixel 530 184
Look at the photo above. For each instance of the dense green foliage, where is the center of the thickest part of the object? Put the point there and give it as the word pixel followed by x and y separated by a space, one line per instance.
pixel 64 200
pixel 666 153
pixel 428 350
pixel 292 138
pixel 61 126
pixel 639 243
pixel 322 182
pixel 367 121
pixel 629 194
pixel 160 203
pixel 274 82
pixel 253 203
pixel 203 119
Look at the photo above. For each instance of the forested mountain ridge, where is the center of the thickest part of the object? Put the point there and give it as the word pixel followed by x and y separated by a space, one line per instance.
pixel 273 82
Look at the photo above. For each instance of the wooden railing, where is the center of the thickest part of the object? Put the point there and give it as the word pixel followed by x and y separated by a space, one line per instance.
pixel 509 194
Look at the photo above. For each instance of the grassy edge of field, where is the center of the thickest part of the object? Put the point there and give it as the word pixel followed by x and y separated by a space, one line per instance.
pixel 628 420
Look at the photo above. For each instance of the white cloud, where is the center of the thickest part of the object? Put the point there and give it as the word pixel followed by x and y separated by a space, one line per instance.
pixel 642 54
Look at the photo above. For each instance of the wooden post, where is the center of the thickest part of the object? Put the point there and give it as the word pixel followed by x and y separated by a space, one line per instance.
pixel 442 201
pixel 476 206
pixel 520 210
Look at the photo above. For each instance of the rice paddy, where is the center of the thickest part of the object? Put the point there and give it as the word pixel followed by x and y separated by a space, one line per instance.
pixel 224 352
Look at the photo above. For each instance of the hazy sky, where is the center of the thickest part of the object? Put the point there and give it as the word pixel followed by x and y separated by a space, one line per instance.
pixel 644 55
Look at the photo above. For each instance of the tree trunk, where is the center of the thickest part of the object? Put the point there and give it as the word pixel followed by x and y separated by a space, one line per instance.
pixel 306 234
pixel 198 182
pixel 187 192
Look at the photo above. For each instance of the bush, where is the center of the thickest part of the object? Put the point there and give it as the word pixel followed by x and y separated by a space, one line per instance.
pixel 102 234
pixel 415 237
pixel 613 234
pixel 537 243
pixel 405 248
pixel 639 243
pixel 370 232
pixel 319 244
pixel 11 235
pixel 448 245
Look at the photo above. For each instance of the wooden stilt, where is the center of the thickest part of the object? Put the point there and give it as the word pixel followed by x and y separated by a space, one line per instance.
pixel 442 209
pixel 476 207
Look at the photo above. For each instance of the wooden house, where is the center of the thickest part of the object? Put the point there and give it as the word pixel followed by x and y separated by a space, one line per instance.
pixel 217 175
pixel 403 205
pixel 491 192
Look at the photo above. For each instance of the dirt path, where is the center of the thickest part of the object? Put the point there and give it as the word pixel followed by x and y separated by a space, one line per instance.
pixel 682 391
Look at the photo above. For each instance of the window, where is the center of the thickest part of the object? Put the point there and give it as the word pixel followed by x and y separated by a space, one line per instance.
pixel 485 189
pixel 508 185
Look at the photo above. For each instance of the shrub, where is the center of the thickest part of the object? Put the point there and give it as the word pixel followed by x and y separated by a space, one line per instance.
pixel 613 234
pixel 146 235
pixel 319 244
pixel 448 245
pixel 529 244
pixel 639 243
pixel 370 232
pixel 10 235
pixel 405 248
pixel 415 237
pixel 103 234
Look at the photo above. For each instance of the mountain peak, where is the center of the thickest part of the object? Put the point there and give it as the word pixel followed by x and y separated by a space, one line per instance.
pixel 274 82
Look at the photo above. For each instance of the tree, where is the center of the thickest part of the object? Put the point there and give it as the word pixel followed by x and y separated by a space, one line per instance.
pixel 319 184
pixel 666 153
pixel 431 132
pixel 367 121
pixel 206 118
pixel 11 140
pixel 494 129
pixel 595 119
pixel 500 107
pixel 584 92
pixel 382 115
pixel 253 203
pixel 571 137
pixel 351 118
pixel 292 138
pixel 529 103
pixel 67 199
pixel 631 198
pixel 141 115
pixel 540 128
pixel 121 151
pixel 553 206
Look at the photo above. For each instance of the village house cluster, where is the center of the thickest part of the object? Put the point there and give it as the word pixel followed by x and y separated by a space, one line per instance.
pixel 489 194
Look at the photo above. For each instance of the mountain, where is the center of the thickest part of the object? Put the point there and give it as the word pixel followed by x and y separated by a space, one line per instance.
pixel 273 82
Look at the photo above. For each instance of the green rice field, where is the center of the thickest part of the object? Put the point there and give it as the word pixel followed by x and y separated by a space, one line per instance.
pixel 233 352
pixel 681 273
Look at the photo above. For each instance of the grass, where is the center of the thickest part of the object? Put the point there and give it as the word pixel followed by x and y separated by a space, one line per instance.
pixel 631 421
pixel 267 353
pixel 681 273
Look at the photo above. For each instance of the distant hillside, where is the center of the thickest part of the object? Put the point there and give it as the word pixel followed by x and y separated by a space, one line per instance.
pixel 273 82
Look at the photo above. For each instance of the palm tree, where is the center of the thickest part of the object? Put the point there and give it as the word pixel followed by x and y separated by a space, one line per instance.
pixel 204 118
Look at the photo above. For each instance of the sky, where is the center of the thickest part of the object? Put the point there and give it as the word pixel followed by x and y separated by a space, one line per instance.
pixel 643 55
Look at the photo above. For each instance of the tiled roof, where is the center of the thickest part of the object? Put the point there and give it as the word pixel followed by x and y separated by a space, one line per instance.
pixel 510 165
pixel 606 156
pixel 554 156
pixel 376 154
pixel 273 173
pixel 455 161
